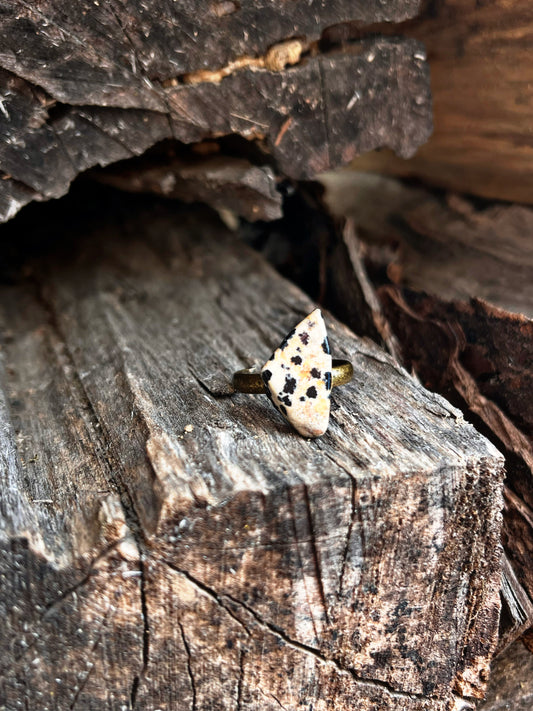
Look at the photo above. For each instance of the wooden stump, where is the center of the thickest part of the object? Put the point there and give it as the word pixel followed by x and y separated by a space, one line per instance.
pixel 168 544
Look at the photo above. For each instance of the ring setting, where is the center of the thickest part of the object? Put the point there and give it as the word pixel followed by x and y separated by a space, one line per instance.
pixel 299 376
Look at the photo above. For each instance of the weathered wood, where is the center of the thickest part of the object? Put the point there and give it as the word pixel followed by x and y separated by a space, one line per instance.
pixel 511 682
pixel 481 59
pixel 170 545
pixel 351 292
pixel 228 184
pixel 88 84
pixel 449 246
pixel 448 253
pixel 457 348
pixel 107 51
pixel 517 609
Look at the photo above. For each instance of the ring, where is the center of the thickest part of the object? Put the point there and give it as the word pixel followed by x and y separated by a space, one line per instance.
pixel 298 377
pixel 248 381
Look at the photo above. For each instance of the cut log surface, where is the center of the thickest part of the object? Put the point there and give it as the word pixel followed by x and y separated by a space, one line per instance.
pixel 85 84
pixel 167 543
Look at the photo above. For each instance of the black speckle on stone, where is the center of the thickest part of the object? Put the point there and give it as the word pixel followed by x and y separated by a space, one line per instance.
pixel 286 400
pixel 311 392
pixel 327 379
pixel 298 349
pixel 302 399
pixel 304 337
pixel 287 338
pixel 266 375
pixel 325 346
pixel 297 360
pixel 290 384
pixel 315 373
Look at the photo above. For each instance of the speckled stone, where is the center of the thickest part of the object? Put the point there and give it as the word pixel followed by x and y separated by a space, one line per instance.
pixel 298 376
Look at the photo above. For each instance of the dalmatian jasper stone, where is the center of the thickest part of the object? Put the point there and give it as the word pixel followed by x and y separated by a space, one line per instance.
pixel 298 376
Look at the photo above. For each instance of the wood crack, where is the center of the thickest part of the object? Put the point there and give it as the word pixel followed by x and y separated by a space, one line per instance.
pixel 317 655
pixel 86 117
pixel 240 680
pixel 136 63
pixel 348 538
pixel 138 679
pixel 355 512
pixel 316 558
pixel 278 701
pixel 131 517
pixel 16 181
pixel 189 667
pixel 300 560
pixel 50 609
pixel 210 593
pixel 210 393
pixel 82 686
pixel 285 53
pixel 74 588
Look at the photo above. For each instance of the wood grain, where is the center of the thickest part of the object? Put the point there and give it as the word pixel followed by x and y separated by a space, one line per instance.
pixel 167 543
pixel 511 684
pixel 89 84
pixel 481 60
pixel 449 245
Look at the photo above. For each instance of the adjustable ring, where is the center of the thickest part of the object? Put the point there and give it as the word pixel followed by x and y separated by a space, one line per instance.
pixel 248 381
pixel 299 376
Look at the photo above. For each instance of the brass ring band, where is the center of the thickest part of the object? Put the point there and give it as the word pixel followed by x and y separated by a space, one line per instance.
pixel 247 381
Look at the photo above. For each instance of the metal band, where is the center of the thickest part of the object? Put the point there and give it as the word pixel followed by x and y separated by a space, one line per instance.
pixel 247 381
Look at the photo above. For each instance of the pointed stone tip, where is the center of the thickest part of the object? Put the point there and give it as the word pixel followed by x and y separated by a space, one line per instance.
pixel 310 433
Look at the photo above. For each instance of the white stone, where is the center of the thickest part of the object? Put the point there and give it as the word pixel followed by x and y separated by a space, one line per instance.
pixel 298 376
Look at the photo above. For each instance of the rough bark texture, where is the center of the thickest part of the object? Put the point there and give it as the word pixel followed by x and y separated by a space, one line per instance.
pixel 481 59
pixel 85 84
pixel 168 544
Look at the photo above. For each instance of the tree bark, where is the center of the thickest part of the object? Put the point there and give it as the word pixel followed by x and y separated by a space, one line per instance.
pixel 85 84
pixel 169 544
